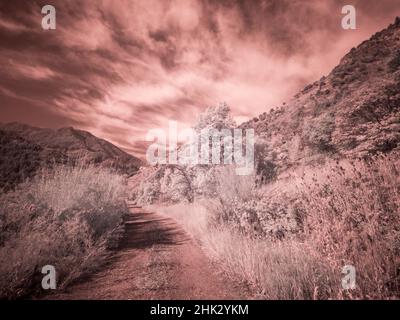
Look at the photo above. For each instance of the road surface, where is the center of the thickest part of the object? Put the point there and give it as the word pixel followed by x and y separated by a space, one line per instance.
pixel 156 260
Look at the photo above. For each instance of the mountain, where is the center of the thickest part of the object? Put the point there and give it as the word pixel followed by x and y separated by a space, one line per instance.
pixel 24 149
pixel 353 112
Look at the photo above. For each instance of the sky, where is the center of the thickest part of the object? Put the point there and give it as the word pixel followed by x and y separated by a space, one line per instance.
pixel 119 68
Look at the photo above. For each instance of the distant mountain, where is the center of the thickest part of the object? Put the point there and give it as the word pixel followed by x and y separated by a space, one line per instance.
pixel 352 112
pixel 24 149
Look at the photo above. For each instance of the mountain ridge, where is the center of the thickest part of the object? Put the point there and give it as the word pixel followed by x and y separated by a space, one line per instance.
pixel 24 149
pixel 352 112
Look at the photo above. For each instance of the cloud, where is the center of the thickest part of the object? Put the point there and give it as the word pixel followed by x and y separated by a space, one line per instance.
pixel 11 26
pixel 31 72
pixel 120 68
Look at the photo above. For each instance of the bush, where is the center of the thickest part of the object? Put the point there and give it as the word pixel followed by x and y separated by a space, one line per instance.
pixel 318 134
pixel 63 217
pixel 231 189
pixel 19 160
pixel 394 64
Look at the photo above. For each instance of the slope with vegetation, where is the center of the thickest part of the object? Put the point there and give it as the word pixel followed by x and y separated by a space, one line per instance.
pixel 325 194
pixel 25 149
pixel 353 112
pixel 62 199
pixel 66 217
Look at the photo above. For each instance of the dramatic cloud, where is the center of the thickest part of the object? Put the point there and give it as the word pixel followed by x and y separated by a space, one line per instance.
pixel 120 68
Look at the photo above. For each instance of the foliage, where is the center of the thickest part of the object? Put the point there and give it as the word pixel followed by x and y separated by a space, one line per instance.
pixel 394 63
pixel 291 238
pixel 19 160
pixel 215 118
pixel 63 217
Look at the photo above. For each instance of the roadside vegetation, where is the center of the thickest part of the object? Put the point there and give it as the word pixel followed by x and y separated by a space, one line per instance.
pixel 66 217
pixel 291 238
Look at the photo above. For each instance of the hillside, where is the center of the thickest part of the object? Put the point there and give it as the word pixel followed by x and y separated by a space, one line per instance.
pixel 24 149
pixel 353 112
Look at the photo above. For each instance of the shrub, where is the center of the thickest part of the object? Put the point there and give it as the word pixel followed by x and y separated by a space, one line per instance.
pixel 231 189
pixel 266 171
pixel 394 63
pixel 19 160
pixel 318 134
pixel 63 217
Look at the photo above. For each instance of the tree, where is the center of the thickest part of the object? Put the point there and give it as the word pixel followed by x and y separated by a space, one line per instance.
pixel 183 182
pixel 215 118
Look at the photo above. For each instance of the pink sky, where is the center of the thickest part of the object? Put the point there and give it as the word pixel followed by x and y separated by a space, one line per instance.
pixel 120 68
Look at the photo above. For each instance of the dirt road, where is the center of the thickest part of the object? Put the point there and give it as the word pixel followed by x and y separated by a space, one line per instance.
pixel 156 260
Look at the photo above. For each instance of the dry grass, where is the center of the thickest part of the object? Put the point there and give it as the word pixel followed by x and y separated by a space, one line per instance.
pixel 280 270
pixel 353 218
pixel 350 216
pixel 62 217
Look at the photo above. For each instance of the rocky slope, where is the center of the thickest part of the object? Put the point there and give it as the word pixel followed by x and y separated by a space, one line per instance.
pixel 352 112
pixel 24 149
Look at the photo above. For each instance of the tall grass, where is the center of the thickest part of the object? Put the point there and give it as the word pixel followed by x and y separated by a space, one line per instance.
pixel 63 217
pixel 276 270
pixel 353 217
pixel 350 215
